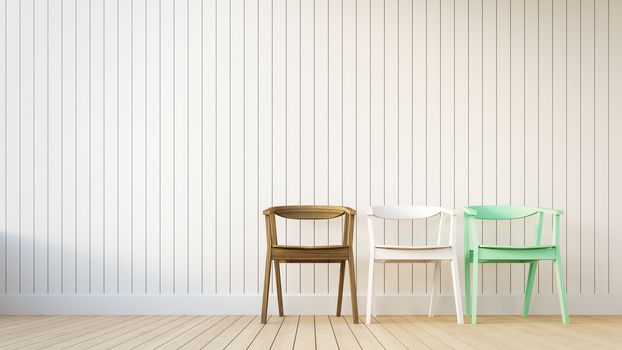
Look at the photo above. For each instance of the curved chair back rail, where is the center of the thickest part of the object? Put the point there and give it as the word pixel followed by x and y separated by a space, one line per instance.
pixel 415 212
pixel 506 212
pixel 278 253
pixel 309 212
pixel 476 253
pixel 398 212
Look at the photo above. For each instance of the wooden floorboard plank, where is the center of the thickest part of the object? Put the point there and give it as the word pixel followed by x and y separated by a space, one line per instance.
pixel 312 332
pixel 598 328
pixel 447 333
pixel 144 327
pixel 192 333
pixel 88 342
pixel 474 335
pixel 41 342
pixel 286 336
pixel 362 334
pixel 343 333
pixel 324 334
pixel 448 326
pixel 246 337
pixel 517 337
pixel 605 330
pixel 265 338
pixel 100 332
pixel 31 322
pixel 12 335
pixel 578 335
pixel 171 334
pixel 12 320
pixel 384 336
pixel 154 333
pixel 204 338
pixel 44 326
pixel 71 336
pixel 405 332
pixel 224 338
pixel 305 337
pixel 520 332
pixel 60 322
pixel 495 334
pixel 601 319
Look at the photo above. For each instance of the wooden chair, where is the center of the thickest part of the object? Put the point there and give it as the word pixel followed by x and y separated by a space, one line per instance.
pixel 475 253
pixel 309 254
pixel 443 250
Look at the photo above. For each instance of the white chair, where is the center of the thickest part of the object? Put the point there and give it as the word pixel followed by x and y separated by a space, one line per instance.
pixel 422 254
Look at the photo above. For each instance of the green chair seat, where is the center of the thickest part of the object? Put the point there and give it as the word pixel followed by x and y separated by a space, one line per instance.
pixel 475 253
pixel 515 254
pixel 516 247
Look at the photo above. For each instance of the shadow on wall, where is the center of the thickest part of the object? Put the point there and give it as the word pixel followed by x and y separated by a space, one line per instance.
pixel 35 263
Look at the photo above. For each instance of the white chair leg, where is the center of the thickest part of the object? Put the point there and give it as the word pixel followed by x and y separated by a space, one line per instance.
pixel 437 278
pixel 455 279
pixel 370 290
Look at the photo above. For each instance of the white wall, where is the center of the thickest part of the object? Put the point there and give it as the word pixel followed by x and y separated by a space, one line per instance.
pixel 142 139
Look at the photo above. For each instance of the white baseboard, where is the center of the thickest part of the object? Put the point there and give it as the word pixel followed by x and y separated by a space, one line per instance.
pixel 294 304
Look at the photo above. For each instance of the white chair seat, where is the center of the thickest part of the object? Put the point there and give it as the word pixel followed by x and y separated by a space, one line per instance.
pixel 406 247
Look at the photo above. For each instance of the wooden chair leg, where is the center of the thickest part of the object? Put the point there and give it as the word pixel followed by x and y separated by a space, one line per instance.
pixel 455 279
pixel 342 272
pixel 355 309
pixel 530 280
pixel 266 289
pixel 436 280
pixel 561 290
pixel 279 290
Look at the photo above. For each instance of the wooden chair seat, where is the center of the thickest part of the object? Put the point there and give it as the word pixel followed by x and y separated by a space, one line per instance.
pixel 309 254
pixel 308 247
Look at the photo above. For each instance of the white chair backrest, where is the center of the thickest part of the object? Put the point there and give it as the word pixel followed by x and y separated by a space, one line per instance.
pixel 404 212
pixel 400 212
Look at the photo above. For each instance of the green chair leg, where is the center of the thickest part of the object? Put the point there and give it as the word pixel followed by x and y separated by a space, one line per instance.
pixel 467 285
pixel 529 288
pixel 474 286
pixel 561 290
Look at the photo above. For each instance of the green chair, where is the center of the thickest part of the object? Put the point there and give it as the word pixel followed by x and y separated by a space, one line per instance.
pixel 475 253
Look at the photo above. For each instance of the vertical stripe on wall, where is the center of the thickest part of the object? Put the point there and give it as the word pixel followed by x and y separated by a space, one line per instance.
pixel 142 139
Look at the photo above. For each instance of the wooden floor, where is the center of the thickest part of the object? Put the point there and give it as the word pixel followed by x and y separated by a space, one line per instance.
pixel 307 332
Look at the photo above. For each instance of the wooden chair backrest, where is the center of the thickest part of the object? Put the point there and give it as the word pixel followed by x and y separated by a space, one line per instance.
pixel 310 212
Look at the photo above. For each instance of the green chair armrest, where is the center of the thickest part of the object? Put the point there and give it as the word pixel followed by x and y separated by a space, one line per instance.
pixel 469 211
pixel 551 211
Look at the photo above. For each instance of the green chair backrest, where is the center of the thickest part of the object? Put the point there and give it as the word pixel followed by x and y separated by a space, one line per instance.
pixel 501 212
pixel 507 212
